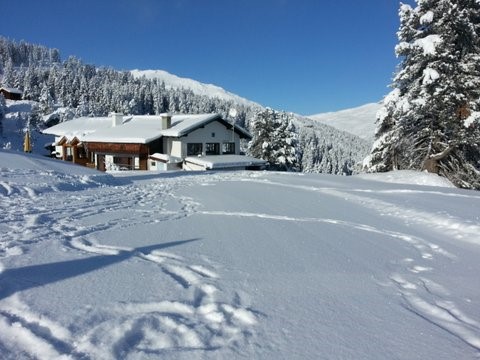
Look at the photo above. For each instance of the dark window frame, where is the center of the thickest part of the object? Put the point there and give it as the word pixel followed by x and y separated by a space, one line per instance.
pixel 228 148
pixel 212 149
pixel 194 149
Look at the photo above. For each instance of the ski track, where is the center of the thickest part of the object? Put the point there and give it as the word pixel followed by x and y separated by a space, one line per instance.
pixel 198 320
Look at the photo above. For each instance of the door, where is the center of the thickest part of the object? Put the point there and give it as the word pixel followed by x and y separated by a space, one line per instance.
pixel 101 162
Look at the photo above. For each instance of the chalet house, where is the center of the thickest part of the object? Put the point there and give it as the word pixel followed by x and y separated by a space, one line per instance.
pixel 152 142
pixel 11 93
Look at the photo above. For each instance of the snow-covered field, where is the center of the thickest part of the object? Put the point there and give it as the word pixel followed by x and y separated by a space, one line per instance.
pixel 251 265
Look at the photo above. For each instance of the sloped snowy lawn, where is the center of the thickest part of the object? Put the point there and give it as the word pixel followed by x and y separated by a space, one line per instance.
pixel 234 265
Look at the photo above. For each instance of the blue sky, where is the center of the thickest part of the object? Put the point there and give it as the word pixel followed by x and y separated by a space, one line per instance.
pixel 304 56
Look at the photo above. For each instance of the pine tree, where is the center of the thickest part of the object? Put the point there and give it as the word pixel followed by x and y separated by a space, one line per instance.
pixel 262 130
pixel 8 78
pixel 275 140
pixel 46 100
pixel 285 144
pixel 430 121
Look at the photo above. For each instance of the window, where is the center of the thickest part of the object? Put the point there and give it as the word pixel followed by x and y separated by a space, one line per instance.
pixel 194 149
pixel 123 162
pixel 82 154
pixel 213 134
pixel 229 148
pixel 212 149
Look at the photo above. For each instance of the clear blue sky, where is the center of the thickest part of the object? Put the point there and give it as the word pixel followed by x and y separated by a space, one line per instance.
pixel 305 56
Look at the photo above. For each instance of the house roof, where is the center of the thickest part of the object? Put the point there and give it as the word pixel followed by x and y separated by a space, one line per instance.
pixel 11 90
pixel 213 162
pixel 139 129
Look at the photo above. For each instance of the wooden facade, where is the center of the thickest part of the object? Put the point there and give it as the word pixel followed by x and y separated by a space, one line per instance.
pixel 128 156
pixel 114 148
pixel 74 151
pixel 124 154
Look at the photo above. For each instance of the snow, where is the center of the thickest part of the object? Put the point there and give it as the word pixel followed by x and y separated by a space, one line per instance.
pixel 430 76
pixel 80 127
pixel 174 82
pixel 11 90
pixel 474 117
pixel 358 121
pixel 134 129
pixel 427 18
pixel 408 177
pixel 429 44
pixel 14 126
pixel 166 158
pixel 262 265
pixel 224 161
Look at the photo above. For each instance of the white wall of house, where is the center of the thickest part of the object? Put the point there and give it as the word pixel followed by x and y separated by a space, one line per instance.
pixel 176 148
pixel 58 149
pixel 156 165
pixel 215 132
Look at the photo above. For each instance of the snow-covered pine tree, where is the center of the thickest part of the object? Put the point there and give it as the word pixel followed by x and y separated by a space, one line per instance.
pixel 430 121
pixel 262 128
pixel 45 100
pixel 8 78
pixel 275 140
pixel 286 143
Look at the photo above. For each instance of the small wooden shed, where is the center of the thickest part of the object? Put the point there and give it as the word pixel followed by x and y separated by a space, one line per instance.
pixel 11 93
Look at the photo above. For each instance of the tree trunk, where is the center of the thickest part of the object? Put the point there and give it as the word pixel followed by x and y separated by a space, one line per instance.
pixel 430 163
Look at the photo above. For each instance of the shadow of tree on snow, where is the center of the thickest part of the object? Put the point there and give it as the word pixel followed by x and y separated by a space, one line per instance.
pixel 28 277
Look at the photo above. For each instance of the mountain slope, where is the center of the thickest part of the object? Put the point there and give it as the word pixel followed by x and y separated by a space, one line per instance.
pixel 329 150
pixel 359 121
pixel 175 82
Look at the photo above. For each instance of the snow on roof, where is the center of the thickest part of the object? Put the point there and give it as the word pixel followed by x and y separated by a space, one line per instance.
pixel 183 124
pixel 140 129
pixel 224 161
pixel 11 90
pixel 79 127
pixel 135 129
pixel 165 158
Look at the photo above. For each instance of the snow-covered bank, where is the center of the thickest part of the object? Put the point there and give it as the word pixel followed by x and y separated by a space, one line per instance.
pixel 235 265
pixel 408 177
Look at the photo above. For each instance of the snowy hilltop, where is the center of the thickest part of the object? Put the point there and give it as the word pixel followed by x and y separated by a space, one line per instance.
pixel 259 265
pixel 359 121
pixel 175 82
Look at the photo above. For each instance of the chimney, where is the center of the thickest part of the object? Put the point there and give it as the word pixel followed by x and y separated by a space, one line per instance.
pixel 117 119
pixel 166 121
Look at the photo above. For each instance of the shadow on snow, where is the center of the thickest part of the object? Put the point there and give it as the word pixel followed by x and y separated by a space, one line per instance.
pixel 28 277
